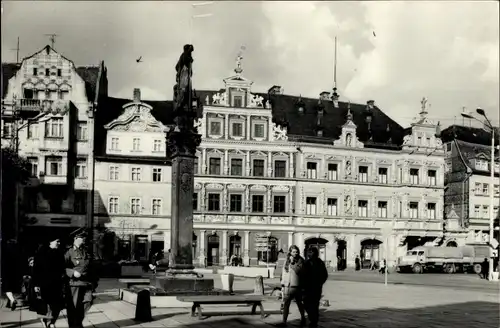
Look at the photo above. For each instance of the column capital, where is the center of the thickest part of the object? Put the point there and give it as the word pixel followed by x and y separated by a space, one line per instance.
pixel 247 232
pixel 291 233
pixel 203 231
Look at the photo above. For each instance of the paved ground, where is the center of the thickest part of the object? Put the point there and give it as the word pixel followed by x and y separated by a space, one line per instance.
pixel 456 281
pixel 352 304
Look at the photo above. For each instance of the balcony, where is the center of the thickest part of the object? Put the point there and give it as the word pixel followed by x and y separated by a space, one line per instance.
pixel 33 104
pixel 53 179
pixel 46 105
pixel 54 144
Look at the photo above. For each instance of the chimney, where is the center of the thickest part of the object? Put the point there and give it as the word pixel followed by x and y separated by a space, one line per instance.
pixel 274 90
pixel 370 104
pixel 137 95
pixel 325 95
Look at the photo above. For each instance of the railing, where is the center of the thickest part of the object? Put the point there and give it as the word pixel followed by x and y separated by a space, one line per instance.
pixel 34 103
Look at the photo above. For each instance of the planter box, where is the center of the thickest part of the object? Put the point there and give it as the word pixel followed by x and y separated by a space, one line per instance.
pixel 131 271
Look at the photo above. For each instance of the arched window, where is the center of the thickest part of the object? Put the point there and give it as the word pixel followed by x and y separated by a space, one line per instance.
pixel 269 254
pixel 451 244
pixel 235 245
pixel 370 251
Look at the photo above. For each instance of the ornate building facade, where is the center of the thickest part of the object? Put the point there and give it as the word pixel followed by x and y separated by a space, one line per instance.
pixel 275 170
pixel 467 178
pixel 47 116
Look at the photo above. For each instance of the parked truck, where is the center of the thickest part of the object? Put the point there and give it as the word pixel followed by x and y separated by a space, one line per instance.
pixel 444 259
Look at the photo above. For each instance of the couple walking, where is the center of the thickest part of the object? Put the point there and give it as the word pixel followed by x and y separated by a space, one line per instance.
pixel 302 281
pixel 63 280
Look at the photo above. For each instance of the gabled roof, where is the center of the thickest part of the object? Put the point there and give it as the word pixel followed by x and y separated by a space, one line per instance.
pixel 110 108
pixel 89 74
pixel 8 71
pixel 384 132
pixel 470 151
pixel 467 134
pixel 382 128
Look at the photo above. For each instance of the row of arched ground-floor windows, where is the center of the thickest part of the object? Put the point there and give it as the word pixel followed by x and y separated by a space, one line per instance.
pixel 265 250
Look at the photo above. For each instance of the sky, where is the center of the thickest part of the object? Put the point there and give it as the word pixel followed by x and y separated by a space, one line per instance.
pixel 392 52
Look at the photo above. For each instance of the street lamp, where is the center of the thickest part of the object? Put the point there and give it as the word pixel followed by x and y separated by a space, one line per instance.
pixel 481 112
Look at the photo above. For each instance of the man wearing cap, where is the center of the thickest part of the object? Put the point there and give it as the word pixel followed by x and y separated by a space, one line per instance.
pixel 82 281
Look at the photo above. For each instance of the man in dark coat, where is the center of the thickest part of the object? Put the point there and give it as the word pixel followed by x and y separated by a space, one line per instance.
pixel 82 281
pixel 315 275
pixel 485 269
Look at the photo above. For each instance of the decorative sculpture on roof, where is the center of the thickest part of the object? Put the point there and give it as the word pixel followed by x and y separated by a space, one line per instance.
pixel 348 136
pixel 219 99
pixel 424 104
pixel 223 99
pixel 279 133
pixel 268 104
pixel 207 100
pixel 238 61
pixel 198 125
pixel 408 140
pixel 255 101
pixel 215 99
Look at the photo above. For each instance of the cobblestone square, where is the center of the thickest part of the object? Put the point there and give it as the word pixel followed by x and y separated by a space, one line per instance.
pixel 352 304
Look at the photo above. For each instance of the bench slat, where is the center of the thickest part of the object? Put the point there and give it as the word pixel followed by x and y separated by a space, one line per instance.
pixel 126 281
pixel 221 298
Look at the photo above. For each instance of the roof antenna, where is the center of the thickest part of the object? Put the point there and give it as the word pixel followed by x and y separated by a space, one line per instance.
pixel 335 95
pixel 17 51
pixel 52 38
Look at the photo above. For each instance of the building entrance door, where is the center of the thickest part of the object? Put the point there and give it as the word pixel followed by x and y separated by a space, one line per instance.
pixel 213 250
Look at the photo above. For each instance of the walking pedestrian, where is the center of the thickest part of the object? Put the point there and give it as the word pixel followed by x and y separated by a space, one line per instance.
pixel 82 281
pixel 383 266
pixel 315 275
pixel 29 291
pixel 11 276
pixel 292 284
pixel 485 269
pixel 372 264
pixel 357 263
pixel 49 282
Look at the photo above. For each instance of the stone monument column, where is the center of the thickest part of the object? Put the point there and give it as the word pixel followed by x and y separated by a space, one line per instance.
pixel 183 141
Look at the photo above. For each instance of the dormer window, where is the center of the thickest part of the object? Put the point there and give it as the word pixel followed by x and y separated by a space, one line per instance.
pixel 481 165
pixel 300 109
pixel 320 133
pixel 47 72
pixel 238 101
pixel 35 71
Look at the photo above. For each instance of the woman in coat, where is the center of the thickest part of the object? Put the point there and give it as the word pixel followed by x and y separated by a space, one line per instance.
pixel 292 284
pixel 48 281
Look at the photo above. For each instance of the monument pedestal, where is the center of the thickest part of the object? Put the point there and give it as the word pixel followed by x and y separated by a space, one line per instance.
pixel 184 284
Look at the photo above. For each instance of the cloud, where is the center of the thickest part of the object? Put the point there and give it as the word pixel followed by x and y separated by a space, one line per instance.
pixel 446 51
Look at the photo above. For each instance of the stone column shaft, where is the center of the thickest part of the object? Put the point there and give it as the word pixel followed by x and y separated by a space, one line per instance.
pixel 181 242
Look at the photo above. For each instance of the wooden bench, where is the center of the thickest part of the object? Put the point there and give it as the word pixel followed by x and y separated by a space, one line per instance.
pixel 254 300
pixel 134 281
